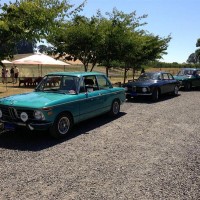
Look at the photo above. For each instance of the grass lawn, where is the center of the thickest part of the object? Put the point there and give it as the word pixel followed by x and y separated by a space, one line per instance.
pixel 10 89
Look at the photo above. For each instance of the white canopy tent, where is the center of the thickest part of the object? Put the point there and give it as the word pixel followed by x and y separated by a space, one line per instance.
pixel 40 60
pixel 6 62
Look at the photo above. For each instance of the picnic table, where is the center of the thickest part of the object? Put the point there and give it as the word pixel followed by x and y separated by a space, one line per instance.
pixel 29 81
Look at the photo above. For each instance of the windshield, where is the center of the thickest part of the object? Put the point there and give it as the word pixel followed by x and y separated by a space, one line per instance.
pixel 148 76
pixel 60 84
pixel 185 72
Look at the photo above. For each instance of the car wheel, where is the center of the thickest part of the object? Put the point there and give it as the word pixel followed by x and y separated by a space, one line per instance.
pixel 188 86
pixel 155 94
pixel 115 108
pixel 61 126
pixel 176 89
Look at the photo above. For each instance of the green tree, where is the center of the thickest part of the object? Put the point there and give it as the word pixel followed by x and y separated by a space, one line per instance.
pixel 105 40
pixel 195 57
pixel 31 21
pixel 192 58
pixel 77 39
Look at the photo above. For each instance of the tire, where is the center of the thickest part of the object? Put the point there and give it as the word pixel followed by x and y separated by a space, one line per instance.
pixel 155 94
pixel 61 126
pixel 176 89
pixel 188 86
pixel 115 108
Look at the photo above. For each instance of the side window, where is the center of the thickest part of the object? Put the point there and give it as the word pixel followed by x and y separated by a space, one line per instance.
pixel 165 77
pixel 89 84
pixel 198 72
pixel 103 82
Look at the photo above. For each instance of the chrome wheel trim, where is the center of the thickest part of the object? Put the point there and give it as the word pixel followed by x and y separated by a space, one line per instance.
pixel 115 107
pixel 176 90
pixel 63 125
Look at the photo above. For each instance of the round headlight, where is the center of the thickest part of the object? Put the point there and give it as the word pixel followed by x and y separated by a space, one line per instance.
pixel 1 114
pixel 24 116
pixel 39 115
pixel 144 89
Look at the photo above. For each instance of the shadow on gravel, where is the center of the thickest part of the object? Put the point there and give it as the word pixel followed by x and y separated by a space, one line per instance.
pixel 147 100
pixel 37 141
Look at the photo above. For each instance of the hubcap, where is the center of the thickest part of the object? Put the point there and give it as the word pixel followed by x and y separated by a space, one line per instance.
pixel 115 107
pixel 63 125
pixel 176 90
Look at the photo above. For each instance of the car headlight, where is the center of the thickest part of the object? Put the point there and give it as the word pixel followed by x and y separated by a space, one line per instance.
pixel 1 114
pixel 144 89
pixel 126 88
pixel 39 115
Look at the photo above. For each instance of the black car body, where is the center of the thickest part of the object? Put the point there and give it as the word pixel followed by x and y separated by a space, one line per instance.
pixel 188 78
pixel 152 84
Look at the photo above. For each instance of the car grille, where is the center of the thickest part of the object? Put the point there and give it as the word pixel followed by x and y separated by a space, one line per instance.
pixel 13 114
pixel 134 89
pixel 131 89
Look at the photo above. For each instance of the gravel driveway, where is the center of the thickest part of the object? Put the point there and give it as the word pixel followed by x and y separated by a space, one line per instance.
pixel 152 151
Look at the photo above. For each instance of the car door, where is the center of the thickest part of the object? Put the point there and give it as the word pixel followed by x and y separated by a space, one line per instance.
pixel 106 92
pixel 165 87
pixel 196 79
pixel 172 82
pixel 92 101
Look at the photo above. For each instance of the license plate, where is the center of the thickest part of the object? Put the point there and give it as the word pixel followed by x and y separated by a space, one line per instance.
pixel 9 126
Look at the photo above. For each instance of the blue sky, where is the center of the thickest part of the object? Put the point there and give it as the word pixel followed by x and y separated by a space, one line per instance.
pixel 180 18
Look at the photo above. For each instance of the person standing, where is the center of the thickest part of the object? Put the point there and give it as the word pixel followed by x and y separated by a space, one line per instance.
pixel 12 73
pixel 16 72
pixel 3 74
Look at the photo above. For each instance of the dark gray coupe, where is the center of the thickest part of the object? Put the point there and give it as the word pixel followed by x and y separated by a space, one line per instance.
pixel 152 84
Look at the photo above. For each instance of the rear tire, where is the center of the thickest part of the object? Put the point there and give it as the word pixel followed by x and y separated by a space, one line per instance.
pixel 61 126
pixel 176 89
pixel 115 108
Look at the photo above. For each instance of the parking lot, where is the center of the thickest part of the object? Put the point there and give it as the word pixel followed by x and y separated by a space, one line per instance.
pixel 151 151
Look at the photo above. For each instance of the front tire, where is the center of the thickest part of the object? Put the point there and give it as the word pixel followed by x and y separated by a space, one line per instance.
pixel 155 94
pixel 115 108
pixel 61 126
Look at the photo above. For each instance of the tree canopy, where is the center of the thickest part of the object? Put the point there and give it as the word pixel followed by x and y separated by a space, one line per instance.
pixel 103 39
pixel 30 21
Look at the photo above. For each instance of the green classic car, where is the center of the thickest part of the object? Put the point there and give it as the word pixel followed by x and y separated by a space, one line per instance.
pixel 61 100
pixel 188 78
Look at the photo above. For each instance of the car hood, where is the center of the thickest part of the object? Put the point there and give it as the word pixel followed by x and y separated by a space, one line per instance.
pixel 143 83
pixel 36 99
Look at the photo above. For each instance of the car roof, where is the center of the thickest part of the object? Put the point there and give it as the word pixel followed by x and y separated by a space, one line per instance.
pixel 160 72
pixel 79 74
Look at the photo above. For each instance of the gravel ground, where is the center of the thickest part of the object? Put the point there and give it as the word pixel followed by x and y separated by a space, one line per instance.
pixel 151 151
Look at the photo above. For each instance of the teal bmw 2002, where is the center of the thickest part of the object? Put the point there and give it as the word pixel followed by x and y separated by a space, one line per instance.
pixel 61 100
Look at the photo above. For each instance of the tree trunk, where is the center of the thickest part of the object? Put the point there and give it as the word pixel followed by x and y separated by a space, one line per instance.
pixel 125 72
pixel 107 69
pixel 133 73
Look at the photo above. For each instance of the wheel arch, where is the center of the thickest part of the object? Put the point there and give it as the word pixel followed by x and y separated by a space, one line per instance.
pixel 66 112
